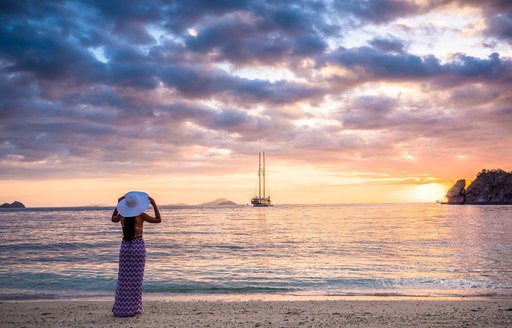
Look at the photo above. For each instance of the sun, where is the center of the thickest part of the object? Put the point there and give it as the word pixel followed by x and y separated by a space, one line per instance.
pixel 429 192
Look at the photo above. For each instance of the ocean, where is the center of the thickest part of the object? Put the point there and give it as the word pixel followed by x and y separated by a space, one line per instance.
pixel 409 250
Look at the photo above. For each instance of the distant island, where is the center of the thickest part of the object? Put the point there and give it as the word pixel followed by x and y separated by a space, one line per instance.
pixel 217 202
pixel 14 204
pixel 489 187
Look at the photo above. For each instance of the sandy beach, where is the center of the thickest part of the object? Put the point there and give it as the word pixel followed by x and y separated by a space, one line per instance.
pixel 326 313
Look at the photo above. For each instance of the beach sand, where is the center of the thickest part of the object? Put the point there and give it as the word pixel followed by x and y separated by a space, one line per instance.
pixel 326 313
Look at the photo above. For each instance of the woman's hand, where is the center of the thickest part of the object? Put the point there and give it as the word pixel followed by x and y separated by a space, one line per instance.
pixel 152 201
pixel 120 199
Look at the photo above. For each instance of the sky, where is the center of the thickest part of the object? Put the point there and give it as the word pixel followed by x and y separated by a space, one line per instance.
pixel 353 101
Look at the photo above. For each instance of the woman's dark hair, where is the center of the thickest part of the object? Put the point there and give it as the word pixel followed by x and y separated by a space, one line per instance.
pixel 129 228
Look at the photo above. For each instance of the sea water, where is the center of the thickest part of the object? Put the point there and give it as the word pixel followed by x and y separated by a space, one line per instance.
pixel 317 250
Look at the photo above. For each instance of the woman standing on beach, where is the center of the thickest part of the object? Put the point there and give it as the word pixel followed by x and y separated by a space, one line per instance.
pixel 132 255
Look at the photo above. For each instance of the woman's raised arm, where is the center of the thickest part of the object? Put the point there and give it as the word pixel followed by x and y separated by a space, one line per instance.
pixel 149 218
pixel 116 217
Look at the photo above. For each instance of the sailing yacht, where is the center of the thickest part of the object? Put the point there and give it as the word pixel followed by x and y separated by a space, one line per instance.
pixel 261 200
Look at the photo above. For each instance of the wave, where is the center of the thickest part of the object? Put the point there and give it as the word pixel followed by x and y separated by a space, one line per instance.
pixel 245 293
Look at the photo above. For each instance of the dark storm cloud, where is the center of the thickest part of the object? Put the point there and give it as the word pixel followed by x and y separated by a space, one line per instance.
pixel 43 53
pixel 380 11
pixel 500 25
pixel 493 68
pixel 196 83
pixel 288 17
pixel 388 45
pixel 272 35
pixel 123 13
pixel 382 65
pixel 239 43
pixel 180 15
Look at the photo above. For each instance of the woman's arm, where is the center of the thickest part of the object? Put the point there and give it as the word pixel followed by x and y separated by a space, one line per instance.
pixel 116 217
pixel 149 218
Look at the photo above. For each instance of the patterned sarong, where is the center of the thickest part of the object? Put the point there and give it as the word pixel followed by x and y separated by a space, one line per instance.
pixel 132 257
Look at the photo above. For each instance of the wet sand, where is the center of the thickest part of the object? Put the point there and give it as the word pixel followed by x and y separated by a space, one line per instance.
pixel 325 313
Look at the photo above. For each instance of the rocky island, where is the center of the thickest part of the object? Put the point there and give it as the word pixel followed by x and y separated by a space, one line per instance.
pixel 14 204
pixel 489 187
pixel 218 202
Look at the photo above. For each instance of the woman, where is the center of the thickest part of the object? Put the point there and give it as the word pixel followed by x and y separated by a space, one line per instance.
pixel 132 255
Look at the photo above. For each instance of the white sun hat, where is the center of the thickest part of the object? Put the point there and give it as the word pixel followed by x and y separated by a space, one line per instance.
pixel 133 203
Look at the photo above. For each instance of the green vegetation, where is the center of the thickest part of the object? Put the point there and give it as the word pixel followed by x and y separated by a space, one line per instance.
pixel 492 171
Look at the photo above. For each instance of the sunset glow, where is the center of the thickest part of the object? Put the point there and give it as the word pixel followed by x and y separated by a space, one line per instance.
pixel 352 101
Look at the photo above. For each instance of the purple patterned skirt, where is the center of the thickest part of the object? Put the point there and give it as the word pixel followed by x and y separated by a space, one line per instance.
pixel 132 257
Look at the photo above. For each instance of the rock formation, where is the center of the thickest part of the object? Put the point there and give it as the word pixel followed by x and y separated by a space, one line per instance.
pixel 489 187
pixel 14 204
pixel 457 193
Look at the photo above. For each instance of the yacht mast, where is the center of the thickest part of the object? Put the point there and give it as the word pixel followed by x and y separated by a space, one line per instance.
pixel 259 175
pixel 261 199
pixel 264 182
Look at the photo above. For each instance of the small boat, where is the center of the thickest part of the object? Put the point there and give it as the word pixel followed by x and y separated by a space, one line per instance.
pixel 261 200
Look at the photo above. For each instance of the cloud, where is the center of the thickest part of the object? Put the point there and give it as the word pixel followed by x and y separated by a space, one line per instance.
pixel 388 45
pixel 258 37
pixel 377 64
pixel 195 82
pixel 377 11
pixel 492 68
pixel 368 112
pixel 158 93
pixel 497 15
pixel 500 25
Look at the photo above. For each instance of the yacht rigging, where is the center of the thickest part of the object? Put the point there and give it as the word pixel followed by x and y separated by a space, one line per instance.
pixel 261 200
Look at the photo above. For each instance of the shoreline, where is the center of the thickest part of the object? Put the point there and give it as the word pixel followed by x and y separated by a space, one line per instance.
pixel 346 295
pixel 265 297
pixel 264 313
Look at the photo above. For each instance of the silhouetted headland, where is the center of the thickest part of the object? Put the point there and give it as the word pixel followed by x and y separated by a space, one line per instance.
pixel 490 187
pixel 14 204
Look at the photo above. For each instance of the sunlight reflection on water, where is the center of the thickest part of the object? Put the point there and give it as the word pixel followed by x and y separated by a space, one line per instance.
pixel 328 249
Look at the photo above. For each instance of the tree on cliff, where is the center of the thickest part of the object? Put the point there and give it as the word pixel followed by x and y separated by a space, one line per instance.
pixel 493 171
